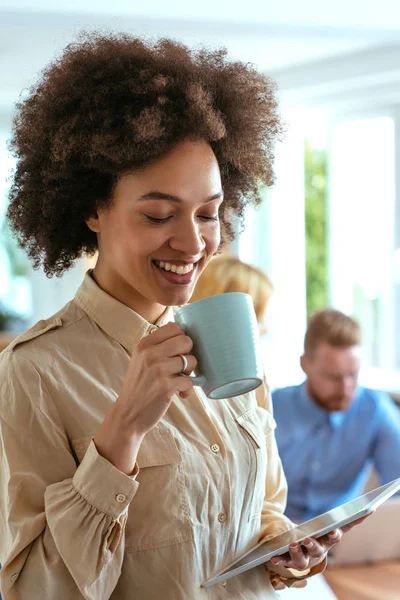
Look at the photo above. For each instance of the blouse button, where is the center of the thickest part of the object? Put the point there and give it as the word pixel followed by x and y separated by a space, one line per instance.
pixel 14 577
pixel 120 498
pixel 221 517
pixel 223 583
pixel 215 448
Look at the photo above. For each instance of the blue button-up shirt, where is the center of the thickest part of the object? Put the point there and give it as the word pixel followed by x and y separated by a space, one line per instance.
pixel 327 456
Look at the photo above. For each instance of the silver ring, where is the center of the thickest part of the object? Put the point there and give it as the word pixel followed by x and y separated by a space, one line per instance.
pixel 185 362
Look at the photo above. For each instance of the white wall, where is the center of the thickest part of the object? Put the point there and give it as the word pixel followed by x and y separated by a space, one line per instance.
pixel 275 242
pixel 49 295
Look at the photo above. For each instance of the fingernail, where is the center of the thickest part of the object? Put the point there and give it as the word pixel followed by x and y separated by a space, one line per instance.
pixel 294 546
pixel 309 544
pixel 277 561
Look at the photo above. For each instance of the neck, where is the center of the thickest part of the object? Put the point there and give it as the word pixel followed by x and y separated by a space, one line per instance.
pixel 151 311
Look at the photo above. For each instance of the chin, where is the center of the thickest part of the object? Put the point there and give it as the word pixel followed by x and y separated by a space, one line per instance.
pixel 339 406
pixel 176 298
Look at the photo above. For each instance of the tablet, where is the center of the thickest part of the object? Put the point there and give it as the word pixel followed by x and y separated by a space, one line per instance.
pixel 337 517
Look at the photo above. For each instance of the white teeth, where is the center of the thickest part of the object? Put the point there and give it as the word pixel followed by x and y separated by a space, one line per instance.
pixel 178 269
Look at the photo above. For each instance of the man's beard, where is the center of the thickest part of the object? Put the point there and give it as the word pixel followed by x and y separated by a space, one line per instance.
pixel 329 403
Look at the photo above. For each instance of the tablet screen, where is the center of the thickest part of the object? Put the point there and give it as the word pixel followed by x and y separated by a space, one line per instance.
pixel 337 517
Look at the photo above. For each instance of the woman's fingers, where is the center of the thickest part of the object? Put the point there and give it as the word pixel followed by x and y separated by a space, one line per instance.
pixel 160 335
pixel 314 548
pixel 311 551
pixel 296 558
pixel 301 556
pixel 299 560
pixel 331 538
pixel 168 356
pixel 182 385
pixel 175 365
pixel 181 344
pixel 165 347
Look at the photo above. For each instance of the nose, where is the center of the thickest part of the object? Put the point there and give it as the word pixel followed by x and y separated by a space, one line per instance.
pixel 188 239
pixel 341 387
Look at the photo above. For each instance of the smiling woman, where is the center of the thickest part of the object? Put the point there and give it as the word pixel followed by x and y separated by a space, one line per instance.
pixel 152 244
pixel 118 479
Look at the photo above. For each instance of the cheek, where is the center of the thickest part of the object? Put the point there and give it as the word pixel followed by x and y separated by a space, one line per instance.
pixel 113 230
pixel 323 387
pixel 213 239
pixel 131 242
pixel 350 388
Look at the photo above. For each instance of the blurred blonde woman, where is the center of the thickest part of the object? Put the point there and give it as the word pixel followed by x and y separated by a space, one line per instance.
pixel 226 273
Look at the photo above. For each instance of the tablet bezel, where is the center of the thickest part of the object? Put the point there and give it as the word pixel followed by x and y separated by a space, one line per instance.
pixel 246 561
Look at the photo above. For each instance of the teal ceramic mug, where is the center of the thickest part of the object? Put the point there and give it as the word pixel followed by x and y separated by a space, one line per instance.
pixel 226 344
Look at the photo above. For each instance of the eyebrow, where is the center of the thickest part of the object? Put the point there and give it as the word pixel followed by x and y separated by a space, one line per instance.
pixel 154 195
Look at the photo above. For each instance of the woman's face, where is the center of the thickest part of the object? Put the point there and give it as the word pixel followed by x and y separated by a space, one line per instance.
pixel 161 229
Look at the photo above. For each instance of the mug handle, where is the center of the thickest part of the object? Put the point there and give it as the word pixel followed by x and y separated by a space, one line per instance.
pixel 199 380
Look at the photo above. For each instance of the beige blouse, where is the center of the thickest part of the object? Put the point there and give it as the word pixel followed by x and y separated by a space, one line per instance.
pixel 72 526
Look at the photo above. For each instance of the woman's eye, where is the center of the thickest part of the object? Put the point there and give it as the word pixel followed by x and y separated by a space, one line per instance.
pixel 161 220
pixel 157 220
pixel 211 218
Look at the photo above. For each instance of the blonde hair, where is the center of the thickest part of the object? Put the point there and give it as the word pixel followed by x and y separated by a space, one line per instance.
pixel 227 273
pixel 334 328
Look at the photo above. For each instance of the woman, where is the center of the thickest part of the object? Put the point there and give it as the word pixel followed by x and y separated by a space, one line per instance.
pixel 228 273
pixel 118 479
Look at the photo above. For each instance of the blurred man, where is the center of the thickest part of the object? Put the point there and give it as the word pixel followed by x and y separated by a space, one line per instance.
pixel 331 431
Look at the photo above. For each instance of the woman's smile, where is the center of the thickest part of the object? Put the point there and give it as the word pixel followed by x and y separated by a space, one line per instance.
pixel 176 272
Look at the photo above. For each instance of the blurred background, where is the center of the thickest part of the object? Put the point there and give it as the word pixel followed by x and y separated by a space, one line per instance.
pixel 328 232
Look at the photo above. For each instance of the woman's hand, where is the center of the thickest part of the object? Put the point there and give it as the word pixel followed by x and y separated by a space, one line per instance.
pixel 152 379
pixel 312 551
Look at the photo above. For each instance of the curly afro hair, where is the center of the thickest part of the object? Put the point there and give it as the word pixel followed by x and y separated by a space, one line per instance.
pixel 110 104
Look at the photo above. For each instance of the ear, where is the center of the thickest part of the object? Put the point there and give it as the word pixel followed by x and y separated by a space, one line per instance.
pixel 304 363
pixel 93 223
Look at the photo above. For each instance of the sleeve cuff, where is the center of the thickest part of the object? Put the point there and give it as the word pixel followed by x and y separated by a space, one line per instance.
pixel 291 577
pixel 102 485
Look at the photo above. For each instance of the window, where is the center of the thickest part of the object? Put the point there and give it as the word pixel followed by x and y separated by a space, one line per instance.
pixel 315 184
pixel 361 232
pixel 27 296
pixel 348 225
pixel 15 289
pixel 274 241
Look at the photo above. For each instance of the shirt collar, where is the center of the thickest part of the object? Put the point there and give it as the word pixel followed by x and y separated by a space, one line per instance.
pixel 316 414
pixel 115 318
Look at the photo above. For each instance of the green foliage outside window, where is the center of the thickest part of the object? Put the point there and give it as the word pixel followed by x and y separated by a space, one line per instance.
pixel 316 227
